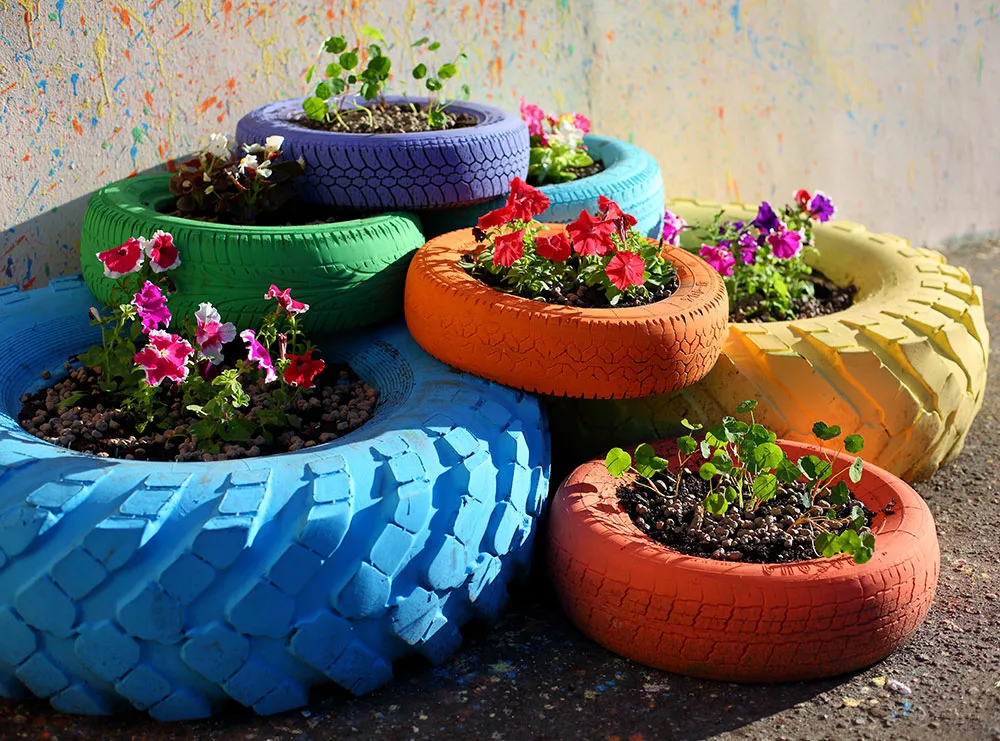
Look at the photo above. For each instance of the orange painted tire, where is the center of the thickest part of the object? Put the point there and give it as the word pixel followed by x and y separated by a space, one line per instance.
pixel 563 350
pixel 740 622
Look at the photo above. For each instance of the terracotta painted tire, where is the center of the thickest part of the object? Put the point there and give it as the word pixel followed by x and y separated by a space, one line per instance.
pixel 561 350
pixel 740 622
pixel 905 366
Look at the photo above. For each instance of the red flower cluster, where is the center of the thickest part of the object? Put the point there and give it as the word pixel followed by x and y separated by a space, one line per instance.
pixel 523 204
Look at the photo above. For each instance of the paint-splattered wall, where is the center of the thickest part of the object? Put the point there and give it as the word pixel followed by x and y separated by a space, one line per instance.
pixel 885 104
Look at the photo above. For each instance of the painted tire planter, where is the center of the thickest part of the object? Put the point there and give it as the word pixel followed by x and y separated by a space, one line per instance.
pixel 178 587
pixel 373 172
pixel 562 350
pixel 733 621
pixel 905 366
pixel 351 273
pixel 631 178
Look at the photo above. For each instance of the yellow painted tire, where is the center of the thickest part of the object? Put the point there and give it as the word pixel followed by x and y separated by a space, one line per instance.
pixel 905 365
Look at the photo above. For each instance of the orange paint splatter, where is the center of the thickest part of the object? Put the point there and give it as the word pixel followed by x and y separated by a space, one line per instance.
pixel 149 99
pixel 30 283
pixel 182 31
pixel 722 113
pixel 610 35
pixel 301 20
pixel 77 127
pixel 133 173
pixel 25 158
pixel 8 88
pixel 155 3
pixel 207 103
pixel 231 84
pixel 124 17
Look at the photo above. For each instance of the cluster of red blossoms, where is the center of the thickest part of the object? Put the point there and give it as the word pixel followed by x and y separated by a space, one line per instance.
pixel 606 236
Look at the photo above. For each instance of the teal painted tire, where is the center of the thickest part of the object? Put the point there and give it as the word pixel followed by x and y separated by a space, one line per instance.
pixel 179 588
pixel 351 273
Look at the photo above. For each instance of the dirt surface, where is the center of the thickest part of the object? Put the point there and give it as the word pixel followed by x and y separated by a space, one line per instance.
pixel 534 676
pixel 827 298
pixel 388 119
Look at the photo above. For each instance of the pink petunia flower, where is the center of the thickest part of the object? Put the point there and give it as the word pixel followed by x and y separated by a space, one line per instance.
pixel 581 122
pixel 211 334
pixel 166 356
pixel 257 353
pixel 672 227
pixel 784 243
pixel 152 307
pixel 719 258
pixel 162 253
pixel 285 300
pixel 533 116
pixel 122 260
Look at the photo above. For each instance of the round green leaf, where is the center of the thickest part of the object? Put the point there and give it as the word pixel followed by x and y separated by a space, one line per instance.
pixel 687 444
pixel 323 91
pixel 856 470
pixel 372 33
pixel 315 108
pixel 420 71
pixel 745 406
pixel 349 59
pixel 768 456
pixel 617 462
pixel 433 84
pixel 335 44
pixel 787 472
pixel 707 471
pixel 447 70
pixel 854 443
pixel 765 486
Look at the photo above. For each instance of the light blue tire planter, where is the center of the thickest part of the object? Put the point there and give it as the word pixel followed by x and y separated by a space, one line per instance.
pixel 631 178
pixel 178 587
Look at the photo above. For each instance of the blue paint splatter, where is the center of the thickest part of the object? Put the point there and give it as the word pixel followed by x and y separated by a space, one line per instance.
pixel 133 151
pixel 43 84
pixel 735 13
pixel 73 79
pixel 60 4
pixel 118 84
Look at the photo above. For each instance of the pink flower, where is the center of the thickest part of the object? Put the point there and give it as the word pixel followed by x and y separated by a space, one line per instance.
pixel 719 258
pixel 211 334
pixel 165 356
pixel 784 244
pixel 672 227
pixel 626 269
pixel 152 307
pixel 285 300
pixel 257 353
pixel 590 235
pixel 581 122
pixel 533 116
pixel 162 254
pixel 122 260
pixel 508 248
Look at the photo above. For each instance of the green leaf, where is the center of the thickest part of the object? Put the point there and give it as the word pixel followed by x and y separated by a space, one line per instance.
pixel 826 545
pixel 617 462
pixel 315 108
pixel 466 91
pixel 814 468
pixel 323 91
pixel 446 71
pixel 70 401
pixel 433 84
pixel 707 471
pixel 716 503
pixel 760 434
pixel 687 444
pixel 435 46
pixel 647 462
pixel 868 540
pixel 839 494
pixel 768 456
pixel 746 406
pixel 309 74
pixel 825 432
pixel 856 470
pixel 419 42
pixel 335 44
pixel 722 462
pixel 706 449
pixel 863 555
pixel 787 472
pixel 690 426
pixel 731 494
pixel 372 33
pixel 437 118
pixel 380 65
pixel 349 59
pixel 854 443
pixel 333 69
pixel 420 71
pixel 765 486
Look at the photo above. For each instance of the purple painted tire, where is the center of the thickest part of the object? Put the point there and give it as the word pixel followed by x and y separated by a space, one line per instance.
pixel 375 172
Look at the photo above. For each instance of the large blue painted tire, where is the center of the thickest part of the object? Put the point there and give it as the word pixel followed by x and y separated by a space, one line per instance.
pixel 390 172
pixel 177 587
pixel 631 178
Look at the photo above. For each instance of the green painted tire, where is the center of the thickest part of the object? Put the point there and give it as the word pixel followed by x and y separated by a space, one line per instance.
pixel 351 273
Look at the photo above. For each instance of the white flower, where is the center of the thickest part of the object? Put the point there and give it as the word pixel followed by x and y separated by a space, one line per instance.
pixel 249 163
pixel 218 146
pixel 264 170
pixel 273 144
pixel 301 161
pixel 566 132
pixel 253 148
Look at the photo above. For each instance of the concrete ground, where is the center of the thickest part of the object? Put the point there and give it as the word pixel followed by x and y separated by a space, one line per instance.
pixel 534 676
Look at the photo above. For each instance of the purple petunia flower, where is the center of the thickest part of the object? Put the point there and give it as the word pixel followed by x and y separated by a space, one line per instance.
pixel 720 259
pixel 748 248
pixel 151 305
pixel 821 207
pixel 767 220
pixel 785 244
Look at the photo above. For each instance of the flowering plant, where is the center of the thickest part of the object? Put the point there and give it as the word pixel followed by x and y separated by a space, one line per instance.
pixel 556 145
pixel 764 257
pixel 234 188
pixel 599 260
pixel 150 368
pixel 341 75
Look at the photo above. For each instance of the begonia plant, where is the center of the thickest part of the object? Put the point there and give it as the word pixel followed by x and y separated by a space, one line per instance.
pixel 598 251
pixel 147 364
pixel 556 144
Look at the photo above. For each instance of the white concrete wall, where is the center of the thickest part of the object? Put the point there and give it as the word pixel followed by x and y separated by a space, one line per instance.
pixel 890 106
